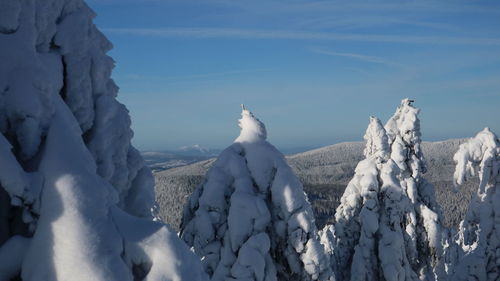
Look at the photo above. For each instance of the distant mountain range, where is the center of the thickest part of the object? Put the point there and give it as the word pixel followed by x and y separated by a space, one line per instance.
pixel 185 155
pixel 197 150
pixel 167 159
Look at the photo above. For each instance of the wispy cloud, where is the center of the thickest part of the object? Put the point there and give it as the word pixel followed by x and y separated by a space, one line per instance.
pixel 353 22
pixel 365 58
pixel 178 78
pixel 203 33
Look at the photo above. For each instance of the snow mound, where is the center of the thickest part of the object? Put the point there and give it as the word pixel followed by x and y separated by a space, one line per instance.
pixel 250 219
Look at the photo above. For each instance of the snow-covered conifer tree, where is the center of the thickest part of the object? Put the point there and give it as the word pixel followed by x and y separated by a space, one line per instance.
pixel 357 217
pixel 423 223
pixel 250 219
pixel 368 241
pixel 388 225
pixel 75 196
pixel 479 232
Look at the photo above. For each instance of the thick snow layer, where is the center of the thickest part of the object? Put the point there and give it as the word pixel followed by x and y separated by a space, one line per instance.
pixel 154 251
pixel 388 224
pixel 9 15
pixel 12 176
pixel 478 238
pixel 57 51
pixel 12 254
pixel 426 234
pixel 78 249
pixel 75 196
pixel 251 128
pixel 250 219
pixel 377 144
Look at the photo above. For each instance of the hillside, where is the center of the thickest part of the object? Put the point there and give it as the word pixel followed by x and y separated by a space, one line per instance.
pixel 324 173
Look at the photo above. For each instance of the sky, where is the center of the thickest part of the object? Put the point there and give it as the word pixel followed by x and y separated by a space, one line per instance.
pixel 312 71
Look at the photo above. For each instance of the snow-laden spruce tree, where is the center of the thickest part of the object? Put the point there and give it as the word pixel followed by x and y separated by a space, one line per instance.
pixel 75 196
pixel 367 240
pixel 250 219
pixel 357 217
pixel 388 225
pixel 426 234
pixel 479 232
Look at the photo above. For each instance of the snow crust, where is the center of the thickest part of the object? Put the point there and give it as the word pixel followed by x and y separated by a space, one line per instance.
pixel 478 239
pixel 75 196
pixel 250 219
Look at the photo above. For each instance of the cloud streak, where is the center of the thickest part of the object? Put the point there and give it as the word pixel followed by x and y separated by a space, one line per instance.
pixel 266 34
pixel 196 76
pixel 365 58
pixel 362 21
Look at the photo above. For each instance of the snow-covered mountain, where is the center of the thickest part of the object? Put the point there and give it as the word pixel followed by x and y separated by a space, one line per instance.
pixel 325 173
pixel 197 150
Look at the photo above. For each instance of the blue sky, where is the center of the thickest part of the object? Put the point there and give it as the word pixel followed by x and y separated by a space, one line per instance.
pixel 312 71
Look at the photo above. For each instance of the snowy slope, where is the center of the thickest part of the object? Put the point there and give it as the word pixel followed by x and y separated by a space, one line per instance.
pixel 76 197
pixel 325 173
